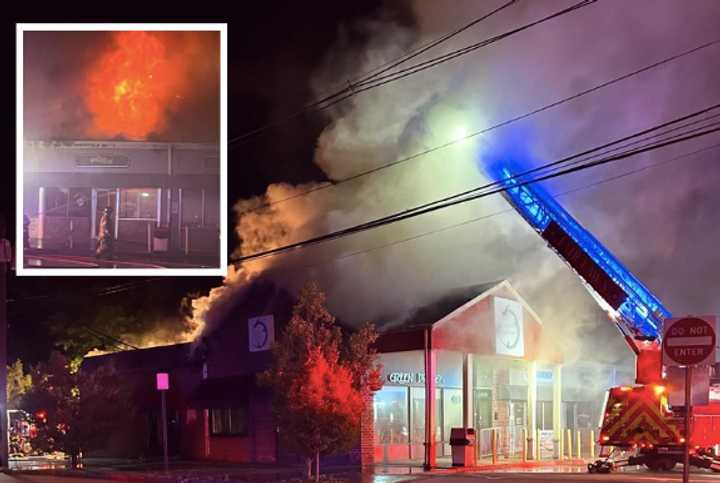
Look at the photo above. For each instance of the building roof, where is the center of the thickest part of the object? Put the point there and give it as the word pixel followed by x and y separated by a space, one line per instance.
pixel 429 314
pixel 151 359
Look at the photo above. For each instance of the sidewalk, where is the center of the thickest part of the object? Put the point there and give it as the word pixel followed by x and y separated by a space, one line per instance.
pixel 198 472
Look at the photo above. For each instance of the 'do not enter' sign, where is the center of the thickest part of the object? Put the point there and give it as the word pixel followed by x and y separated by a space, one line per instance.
pixel 689 341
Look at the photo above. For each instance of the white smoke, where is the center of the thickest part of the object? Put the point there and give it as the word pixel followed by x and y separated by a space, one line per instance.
pixel 493 84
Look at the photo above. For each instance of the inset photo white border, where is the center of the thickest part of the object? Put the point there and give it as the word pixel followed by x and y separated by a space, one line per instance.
pixel 21 269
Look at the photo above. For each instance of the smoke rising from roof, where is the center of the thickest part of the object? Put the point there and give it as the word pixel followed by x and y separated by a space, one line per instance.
pixel 659 222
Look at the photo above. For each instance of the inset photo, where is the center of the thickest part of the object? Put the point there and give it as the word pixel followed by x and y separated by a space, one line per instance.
pixel 121 161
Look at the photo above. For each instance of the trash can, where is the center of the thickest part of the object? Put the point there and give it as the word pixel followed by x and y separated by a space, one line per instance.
pixel 161 237
pixel 462 442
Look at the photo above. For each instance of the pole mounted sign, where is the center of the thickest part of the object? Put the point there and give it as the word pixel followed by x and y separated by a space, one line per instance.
pixel 689 341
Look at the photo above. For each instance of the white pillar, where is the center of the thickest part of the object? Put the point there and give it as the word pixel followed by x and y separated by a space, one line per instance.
pixel 468 390
pixel 532 409
pixel 41 217
pixel 557 403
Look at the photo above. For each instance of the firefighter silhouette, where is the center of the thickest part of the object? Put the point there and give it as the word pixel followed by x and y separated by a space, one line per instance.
pixel 105 241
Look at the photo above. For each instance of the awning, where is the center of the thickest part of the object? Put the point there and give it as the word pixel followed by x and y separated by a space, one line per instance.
pixel 223 392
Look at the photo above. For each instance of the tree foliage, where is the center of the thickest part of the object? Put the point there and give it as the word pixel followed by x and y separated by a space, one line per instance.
pixel 321 380
pixel 18 383
pixel 74 410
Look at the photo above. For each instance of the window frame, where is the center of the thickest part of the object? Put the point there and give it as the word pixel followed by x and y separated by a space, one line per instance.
pixel 228 432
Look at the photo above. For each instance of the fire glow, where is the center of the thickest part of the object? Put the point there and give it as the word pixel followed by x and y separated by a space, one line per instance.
pixel 130 87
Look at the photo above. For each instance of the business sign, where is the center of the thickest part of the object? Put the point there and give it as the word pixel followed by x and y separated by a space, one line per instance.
pixel 689 341
pixel 509 340
pixel 544 376
pixel 102 161
pixel 546 444
pixel 409 378
pixel 261 333
pixel 162 381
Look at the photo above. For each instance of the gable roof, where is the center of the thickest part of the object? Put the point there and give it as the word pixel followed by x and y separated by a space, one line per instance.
pixel 456 301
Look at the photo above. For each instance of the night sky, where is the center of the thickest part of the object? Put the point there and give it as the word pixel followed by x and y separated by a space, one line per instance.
pixel 268 77
pixel 661 223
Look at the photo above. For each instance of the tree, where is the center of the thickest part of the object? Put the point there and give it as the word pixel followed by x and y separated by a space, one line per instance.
pixel 18 383
pixel 74 410
pixel 321 380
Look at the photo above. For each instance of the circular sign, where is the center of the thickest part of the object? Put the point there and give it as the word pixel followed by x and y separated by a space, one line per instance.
pixel 689 341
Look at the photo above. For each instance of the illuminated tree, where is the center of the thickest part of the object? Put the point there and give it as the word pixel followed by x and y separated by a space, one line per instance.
pixel 74 410
pixel 18 383
pixel 321 380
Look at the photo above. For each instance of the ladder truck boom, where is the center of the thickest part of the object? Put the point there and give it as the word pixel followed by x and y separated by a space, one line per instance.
pixel 638 418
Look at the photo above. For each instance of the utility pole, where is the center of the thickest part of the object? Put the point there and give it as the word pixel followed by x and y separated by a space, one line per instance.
pixel 5 260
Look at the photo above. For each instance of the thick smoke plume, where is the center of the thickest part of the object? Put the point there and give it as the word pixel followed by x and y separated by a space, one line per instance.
pixel 657 222
pixel 121 85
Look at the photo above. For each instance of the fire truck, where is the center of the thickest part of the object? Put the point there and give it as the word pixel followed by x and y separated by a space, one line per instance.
pixel 639 425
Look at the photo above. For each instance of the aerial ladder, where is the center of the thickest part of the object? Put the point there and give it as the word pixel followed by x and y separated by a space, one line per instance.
pixel 638 422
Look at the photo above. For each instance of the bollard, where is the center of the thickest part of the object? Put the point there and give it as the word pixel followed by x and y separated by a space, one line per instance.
pixel 537 445
pixel 561 444
pixel 187 240
pixel 579 446
pixel 493 445
pixel 592 444
pixel 569 443
pixel 525 445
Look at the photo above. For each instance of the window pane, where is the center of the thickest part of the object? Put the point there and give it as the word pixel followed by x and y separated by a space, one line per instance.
pixel 138 203
pixel 192 207
pixel 80 202
pixel 56 201
pixel 391 415
pixel 238 421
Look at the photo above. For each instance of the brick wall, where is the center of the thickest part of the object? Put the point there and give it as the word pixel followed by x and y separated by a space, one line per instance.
pixel 367 435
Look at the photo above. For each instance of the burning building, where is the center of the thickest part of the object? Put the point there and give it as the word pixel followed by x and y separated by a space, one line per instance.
pixel 477 350
pixel 124 121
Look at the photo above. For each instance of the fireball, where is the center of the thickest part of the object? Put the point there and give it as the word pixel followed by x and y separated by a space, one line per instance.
pixel 130 88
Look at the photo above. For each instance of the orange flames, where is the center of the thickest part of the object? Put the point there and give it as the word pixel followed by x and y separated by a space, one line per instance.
pixel 132 85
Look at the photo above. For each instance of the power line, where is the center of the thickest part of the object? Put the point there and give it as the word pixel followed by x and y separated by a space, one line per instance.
pixel 498 213
pixel 430 207
pixel 488 129
pixel 354 89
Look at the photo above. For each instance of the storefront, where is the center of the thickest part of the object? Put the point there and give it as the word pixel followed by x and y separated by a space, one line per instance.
pixel 480 347
pixel 155 190
pixel 483 359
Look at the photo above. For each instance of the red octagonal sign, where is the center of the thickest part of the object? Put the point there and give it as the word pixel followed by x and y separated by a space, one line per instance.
pixel 688 341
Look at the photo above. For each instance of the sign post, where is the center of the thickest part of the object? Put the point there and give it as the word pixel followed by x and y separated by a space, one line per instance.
pixel 163 384
pixel 688 342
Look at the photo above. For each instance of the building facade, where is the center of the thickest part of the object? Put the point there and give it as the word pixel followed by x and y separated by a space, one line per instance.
pixel 167 191
pixel 478 356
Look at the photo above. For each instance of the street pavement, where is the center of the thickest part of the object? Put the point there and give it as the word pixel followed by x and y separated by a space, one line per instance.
pixel 25 478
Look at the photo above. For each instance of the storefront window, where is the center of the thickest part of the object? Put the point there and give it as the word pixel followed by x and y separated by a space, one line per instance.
pixel 56 202
pixel 139 203
pixel 544 415
pixel 452 411
pixel 228 422
pixel 391 417
pixel 79 202
pixel 192 207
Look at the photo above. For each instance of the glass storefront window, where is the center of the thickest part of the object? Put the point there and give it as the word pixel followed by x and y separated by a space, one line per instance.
pixel 192 207
pixel 391 415
pixel 452 411
pixel 79 202
pixel 139 203
pixel 56 201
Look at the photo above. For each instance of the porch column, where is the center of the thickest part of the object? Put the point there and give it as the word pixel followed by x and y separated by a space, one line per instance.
pixel 430 365
pixel 557 404
pixel 532 409
pixel 467 390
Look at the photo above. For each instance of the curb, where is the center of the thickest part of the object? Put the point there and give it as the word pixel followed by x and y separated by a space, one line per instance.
pixel 506 466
